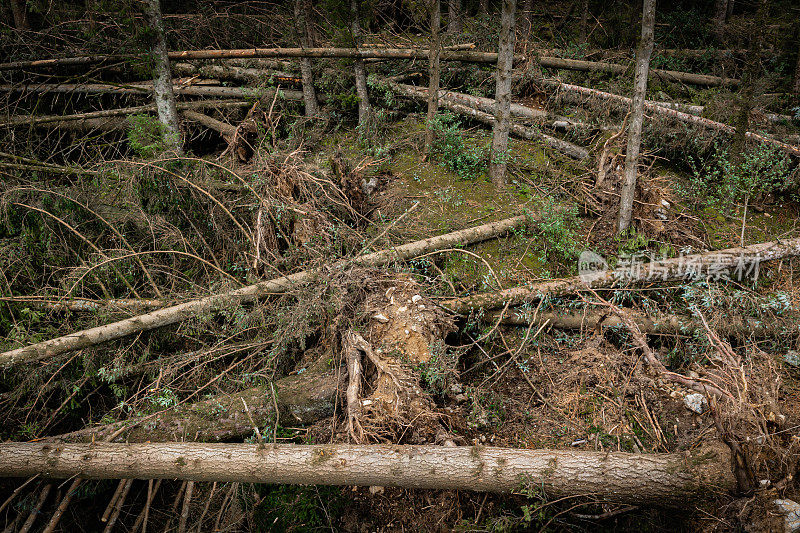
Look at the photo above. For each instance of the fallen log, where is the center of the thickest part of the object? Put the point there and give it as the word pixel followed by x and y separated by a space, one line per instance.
pixel 653 107
pixel 676 479
pixel 615 68
pixel 146 90
pixel 226 130
pixel 22 120
pixel 467 56
pixel 301 399
pixel 232 72
pixel 713 262
pixel 83 304
pixel 180 312
pixel 420 94
pixel 698 110
pixel 660 324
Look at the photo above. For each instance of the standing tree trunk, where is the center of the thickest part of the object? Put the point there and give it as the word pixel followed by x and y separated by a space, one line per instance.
pixel 525 20
pixel 20 13
pixel 162 80
pixel 505 58
pixel 364 108
pixel 301 24
pixel 433 72
pixel 453 16
pixel 749 80
pixel 797 70
pixel 720 17
pixel 583 33
pixel 643 53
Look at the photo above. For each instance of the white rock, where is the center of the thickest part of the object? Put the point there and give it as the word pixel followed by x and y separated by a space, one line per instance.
pixel 416 298
pixel 695 402
pixel 374 489
pixel 791 515
pixel 402 309
pixel 380 317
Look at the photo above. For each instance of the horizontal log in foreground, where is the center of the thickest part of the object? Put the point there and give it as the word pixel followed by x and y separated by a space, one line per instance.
pixel 679 479
pixel 467 56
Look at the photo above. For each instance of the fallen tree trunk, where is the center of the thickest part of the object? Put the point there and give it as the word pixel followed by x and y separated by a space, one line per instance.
pixel 226 130
pixel 61 120
pixel 677 479
pixel 145 90
pixel 517 130
pixel 615 68
pixel 83 304
pixel 660 324
pixel 467 56
pixel 232 72
pixel 720 261
pixel 671 113
pixel 698 110
pixel 178 313
pixel 301 399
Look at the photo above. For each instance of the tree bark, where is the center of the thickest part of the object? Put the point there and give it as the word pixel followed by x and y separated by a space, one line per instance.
pixel 454 16
pixel 720 17
pixel 364 107
pixel 643 53
pixel 309 93
pixel 796 85
pixel 470 108
pixel 677 479
pixel 669 269
pixel 653 107
pixel 20 13
pixel 614 68
pixel 178 313
pixel 301 399
pixel 583 32
pixel 467 56
pixel 236 73
pixel 434 54
pixel 505 52
pixel 29 120
pixel 162 80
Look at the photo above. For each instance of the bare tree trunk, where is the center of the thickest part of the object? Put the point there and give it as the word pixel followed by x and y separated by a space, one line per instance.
pixel 364 108
pixel 433 72
pixel 749 80
pixel 583 32
pixel 797 70
pixel 309 93
pixel 20 13
pixel 676 479
pixel 453 16
pixel 505 53
pixel 180 312
pixel 162 80
pixel 720 17
pixel 637 115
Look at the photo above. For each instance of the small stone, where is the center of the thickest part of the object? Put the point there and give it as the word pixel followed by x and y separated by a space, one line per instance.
pixel 693 375
pixel 374 489
pixel 402 309
pixel 416 298
pixel 695 402
pixel 380 317
pixel 456 388
pixel 791 515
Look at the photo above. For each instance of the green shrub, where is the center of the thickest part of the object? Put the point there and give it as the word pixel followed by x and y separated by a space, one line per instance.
pixel 452 152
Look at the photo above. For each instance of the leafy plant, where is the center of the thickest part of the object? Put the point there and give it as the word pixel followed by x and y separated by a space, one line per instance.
pixel 146 135
pixel 453 153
